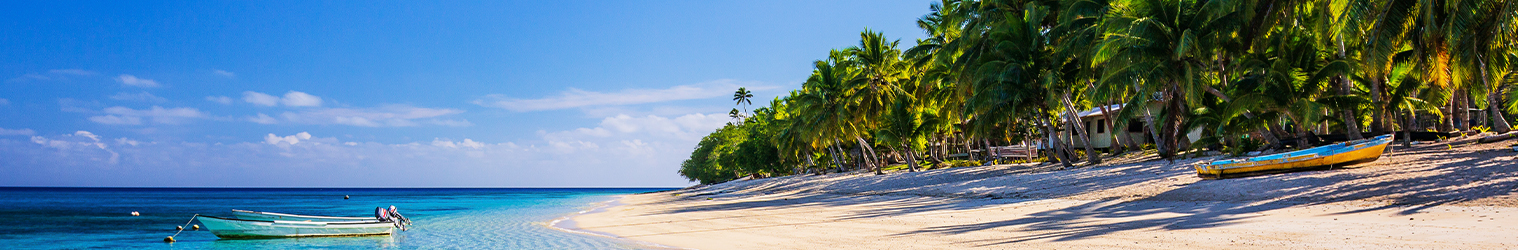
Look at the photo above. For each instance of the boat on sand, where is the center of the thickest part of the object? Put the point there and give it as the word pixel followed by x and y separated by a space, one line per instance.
pixel 1338 154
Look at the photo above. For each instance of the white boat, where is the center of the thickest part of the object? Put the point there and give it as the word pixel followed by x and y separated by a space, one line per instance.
pixel 255 215
pixel 229 228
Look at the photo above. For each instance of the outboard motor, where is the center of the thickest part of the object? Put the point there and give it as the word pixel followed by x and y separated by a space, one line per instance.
pixel 381 214
pixel 396 213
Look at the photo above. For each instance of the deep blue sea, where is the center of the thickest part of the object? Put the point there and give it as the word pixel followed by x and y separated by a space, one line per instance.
pixel 443 218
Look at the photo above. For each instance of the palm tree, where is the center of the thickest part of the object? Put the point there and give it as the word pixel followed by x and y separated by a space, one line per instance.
pixel 1163 47
pixel 823 115
pixel 742 97
pixel 1481 36
pixel 737 116
pixel 1015 80
pixel 877 85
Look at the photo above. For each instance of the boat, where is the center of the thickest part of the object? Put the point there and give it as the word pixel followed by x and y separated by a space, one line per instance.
pixel 255 215
pixel 1337 154
pixel 253 224
pixel 231 228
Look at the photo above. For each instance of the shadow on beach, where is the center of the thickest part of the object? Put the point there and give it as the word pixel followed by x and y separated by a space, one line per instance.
pixel 1147 195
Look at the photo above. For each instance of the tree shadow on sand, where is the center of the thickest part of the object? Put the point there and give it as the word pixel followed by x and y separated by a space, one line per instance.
pixel 1467 177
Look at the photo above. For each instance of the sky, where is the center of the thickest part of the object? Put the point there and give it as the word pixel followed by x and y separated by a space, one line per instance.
pixel 396 93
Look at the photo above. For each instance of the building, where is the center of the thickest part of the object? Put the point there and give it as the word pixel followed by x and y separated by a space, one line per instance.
pixel 1101 134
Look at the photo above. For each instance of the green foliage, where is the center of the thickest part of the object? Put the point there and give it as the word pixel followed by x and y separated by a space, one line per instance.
pixel 1242 73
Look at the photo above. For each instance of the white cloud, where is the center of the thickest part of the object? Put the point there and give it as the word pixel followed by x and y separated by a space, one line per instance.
pixel 259 99
pixel 291 99
pixel 272 139
pixel 77 141
pixel 57 74
pixel 76 72
pixel 138 97
pixel 575 98
pixel 467 143
pixel 125 141
pixel 637 133
pixel 127 116
pixel 116 120
pixel 219 99
pixel 383 116
pixel 620 151
pixel 300 99
pixel 262 119
pixel 131 80
pixel 23 131
pixel 225 73
pixel 449 123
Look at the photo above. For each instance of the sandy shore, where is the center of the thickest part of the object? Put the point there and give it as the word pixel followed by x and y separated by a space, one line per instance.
pixel 1425 197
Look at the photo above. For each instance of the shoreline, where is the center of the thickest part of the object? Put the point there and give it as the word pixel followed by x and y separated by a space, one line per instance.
pixel 567 224
pixel 1420 197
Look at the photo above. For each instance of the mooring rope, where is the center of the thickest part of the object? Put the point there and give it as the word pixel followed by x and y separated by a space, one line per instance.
pixel 186 224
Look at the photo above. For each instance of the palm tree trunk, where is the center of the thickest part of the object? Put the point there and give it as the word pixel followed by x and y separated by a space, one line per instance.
pixel 1447 121
pixel 969 149
pixel 1407 130
pixel 873 159
pixel 991 156
pixel 911 157
pixel 1464 106
pixel 1054 141
pixel 1351 124
pixel 1154 131
pixel 1499 123
pixel 1378 121
pixel 1172 125
pixel 1301 133
pixel 1092 158
pixel 1117 145
pixel 834 150
pixel 810 163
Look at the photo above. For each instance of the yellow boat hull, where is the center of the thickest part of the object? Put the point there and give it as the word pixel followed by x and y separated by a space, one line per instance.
pixel 1362 151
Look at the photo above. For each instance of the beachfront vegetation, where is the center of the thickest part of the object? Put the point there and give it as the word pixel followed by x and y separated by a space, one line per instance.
pixel 1247 74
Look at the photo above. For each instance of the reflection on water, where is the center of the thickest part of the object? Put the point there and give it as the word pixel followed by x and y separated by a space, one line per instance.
pixel 74 218
pixel 308 242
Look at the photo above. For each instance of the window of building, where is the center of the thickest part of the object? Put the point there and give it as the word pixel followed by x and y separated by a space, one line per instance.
pixel 1101 126
pixel 1135 126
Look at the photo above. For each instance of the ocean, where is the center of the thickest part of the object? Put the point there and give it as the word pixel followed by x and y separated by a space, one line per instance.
pixel 443 218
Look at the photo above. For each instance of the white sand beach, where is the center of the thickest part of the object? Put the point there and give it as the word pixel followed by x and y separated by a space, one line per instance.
pixel 1426 197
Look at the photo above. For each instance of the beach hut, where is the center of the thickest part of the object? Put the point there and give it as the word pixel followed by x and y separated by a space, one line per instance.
pixel 1101 135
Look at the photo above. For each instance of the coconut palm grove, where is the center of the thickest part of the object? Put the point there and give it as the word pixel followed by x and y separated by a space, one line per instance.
pixel 1204 76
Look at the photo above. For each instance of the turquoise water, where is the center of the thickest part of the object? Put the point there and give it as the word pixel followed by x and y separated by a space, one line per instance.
pixel 100 218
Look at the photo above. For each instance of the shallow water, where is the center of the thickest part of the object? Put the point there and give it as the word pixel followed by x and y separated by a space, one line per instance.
pixel 100 218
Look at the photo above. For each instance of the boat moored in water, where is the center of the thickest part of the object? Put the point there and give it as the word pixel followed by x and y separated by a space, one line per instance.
pixel 253 224
pixel 255 215
pixel 229 228
pixel 1338 154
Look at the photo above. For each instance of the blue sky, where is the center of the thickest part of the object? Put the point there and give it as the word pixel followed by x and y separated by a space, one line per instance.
pixel 395 93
